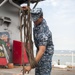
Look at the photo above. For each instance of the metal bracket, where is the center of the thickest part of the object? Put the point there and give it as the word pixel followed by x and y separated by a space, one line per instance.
pixel 3 2
pixel 5 20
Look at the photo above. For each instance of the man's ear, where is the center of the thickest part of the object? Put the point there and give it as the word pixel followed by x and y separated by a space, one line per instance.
pixel 41 16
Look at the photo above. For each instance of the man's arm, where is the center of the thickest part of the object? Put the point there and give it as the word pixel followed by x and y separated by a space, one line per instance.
pixel 37 58
pixel 40 53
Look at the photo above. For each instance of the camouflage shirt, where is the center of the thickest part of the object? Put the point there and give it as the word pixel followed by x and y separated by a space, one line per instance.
pixel 43 37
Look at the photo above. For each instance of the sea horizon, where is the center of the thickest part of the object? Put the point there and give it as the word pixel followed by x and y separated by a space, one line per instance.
pixel 64 57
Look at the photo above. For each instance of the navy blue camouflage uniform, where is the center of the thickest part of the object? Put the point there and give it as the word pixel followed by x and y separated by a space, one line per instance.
pixel 43 37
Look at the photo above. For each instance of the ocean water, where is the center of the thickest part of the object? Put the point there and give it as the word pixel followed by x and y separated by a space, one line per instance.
pixel 64 57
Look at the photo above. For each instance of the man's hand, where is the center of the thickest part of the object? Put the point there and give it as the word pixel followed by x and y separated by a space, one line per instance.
pixel 27 69
pixel 25 7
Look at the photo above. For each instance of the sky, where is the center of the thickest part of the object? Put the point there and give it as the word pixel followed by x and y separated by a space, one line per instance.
pixel 60 17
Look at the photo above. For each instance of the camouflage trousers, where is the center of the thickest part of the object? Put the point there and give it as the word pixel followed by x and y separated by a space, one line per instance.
pixel 44 66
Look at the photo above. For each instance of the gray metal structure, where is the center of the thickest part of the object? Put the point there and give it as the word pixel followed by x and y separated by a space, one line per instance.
pixel 27 23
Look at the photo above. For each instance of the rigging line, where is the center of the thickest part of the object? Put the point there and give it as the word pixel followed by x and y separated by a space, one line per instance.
pixel 36 4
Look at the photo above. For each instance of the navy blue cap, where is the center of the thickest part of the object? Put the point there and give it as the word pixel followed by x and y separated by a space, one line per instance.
pixel 36 13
